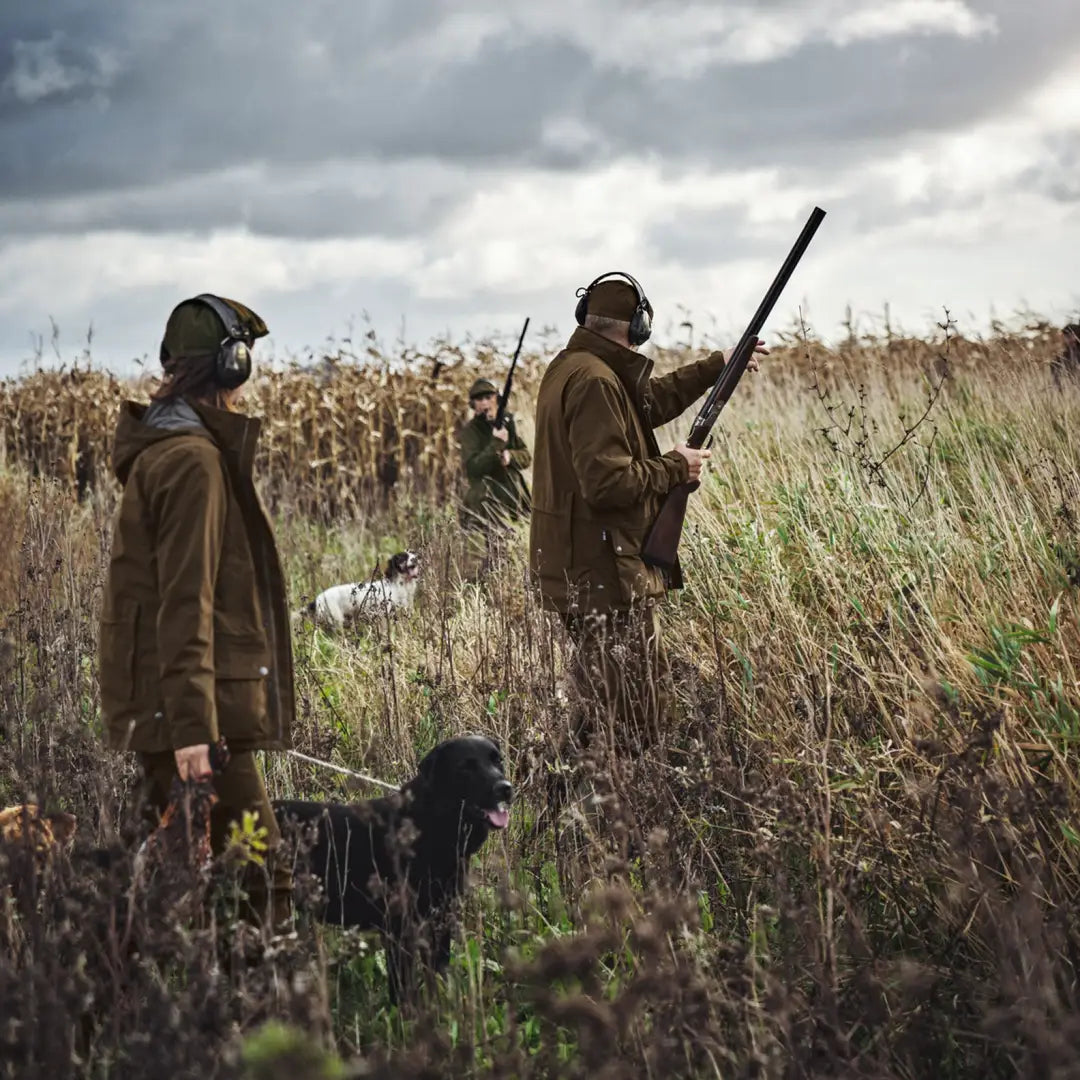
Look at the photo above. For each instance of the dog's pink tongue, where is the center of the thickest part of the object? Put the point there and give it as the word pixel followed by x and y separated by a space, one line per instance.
pixel 499 818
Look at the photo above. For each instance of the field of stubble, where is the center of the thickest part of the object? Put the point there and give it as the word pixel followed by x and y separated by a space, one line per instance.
pixel 856 851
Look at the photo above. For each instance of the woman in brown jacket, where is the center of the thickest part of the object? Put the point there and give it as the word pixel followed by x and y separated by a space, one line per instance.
pixel 195 639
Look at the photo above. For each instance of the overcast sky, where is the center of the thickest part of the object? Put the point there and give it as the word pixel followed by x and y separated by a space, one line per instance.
pixel 459 165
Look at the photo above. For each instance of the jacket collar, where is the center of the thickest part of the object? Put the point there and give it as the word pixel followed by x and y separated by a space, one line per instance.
pixel 632 368
pixel 236 435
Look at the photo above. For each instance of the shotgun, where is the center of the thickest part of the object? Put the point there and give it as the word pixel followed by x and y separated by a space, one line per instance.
pixel 662 544
pixel 504 397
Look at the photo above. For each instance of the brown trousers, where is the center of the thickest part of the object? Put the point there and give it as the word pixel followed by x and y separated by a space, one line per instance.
pixel 239 788
pixel 620 677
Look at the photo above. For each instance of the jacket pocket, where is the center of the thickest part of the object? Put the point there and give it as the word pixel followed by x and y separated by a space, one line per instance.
pixel 241 656
pixel 242 709
pixel 241 677
pixel 637 582
pixel 117 655
pixel 593 574
pixel 551 539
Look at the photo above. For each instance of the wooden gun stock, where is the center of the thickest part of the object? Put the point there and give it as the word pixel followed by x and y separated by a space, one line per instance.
pixel 661 546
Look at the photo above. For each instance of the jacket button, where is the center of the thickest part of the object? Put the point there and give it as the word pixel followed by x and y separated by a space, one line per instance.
pixel 264 671
pixel 159 716
pixel 618 548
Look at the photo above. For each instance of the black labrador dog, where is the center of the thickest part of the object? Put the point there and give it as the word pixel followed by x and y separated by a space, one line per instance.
pixel 396 864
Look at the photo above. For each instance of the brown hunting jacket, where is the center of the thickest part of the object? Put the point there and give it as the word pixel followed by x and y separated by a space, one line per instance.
pixel 195 637
pixel 599 478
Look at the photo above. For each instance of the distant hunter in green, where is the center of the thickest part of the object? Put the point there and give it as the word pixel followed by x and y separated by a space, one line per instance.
pixel 493 460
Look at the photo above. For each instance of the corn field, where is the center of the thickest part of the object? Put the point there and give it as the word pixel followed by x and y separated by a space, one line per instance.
pixel 334 439
pixel 353 432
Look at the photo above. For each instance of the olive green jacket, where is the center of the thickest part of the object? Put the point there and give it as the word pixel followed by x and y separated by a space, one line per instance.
pixel 496 491
pixel 194 637
pixel 599 478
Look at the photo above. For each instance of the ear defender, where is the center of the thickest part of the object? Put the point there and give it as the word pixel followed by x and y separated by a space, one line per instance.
pixel 582 308
pixel 640 329
pixel 232 364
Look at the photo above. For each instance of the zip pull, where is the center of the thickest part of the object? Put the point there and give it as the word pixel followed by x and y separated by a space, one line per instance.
pixel 603 534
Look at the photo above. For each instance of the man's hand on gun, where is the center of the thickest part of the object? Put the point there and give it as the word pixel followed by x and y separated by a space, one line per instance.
pixel 695 459
pixel 752 363
pixel 502 435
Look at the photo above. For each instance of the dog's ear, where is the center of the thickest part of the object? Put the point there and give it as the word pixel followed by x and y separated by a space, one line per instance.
pixel 428 766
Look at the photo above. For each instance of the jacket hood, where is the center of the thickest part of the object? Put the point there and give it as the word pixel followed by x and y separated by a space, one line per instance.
pixel 234 434
pixel 133 437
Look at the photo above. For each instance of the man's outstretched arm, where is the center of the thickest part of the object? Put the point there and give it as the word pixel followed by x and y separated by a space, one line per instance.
pixel 673 394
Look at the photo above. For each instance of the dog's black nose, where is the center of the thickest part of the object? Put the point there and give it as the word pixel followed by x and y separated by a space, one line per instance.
pixel 504 791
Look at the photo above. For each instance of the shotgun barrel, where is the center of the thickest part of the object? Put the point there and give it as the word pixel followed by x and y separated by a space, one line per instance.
pixel 504 397
pixel 662 544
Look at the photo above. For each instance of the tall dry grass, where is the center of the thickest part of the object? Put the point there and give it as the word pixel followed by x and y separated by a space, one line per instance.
pixel 855 851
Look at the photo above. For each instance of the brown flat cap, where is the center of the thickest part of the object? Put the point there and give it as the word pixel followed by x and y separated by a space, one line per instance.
pixel 613 300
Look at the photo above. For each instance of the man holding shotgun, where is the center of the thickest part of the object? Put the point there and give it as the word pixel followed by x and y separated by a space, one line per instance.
pixel 493 457
pixel 608 506
pixel 599 481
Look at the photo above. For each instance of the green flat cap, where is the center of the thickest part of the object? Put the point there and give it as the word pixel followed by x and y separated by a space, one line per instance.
pixel 194 329
pixel 481 388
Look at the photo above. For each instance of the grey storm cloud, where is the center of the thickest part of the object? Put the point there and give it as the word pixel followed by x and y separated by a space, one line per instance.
pixel 426 123
pixel 1058 174
pixel 131 94
pixel 700 237
pixel 345 200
